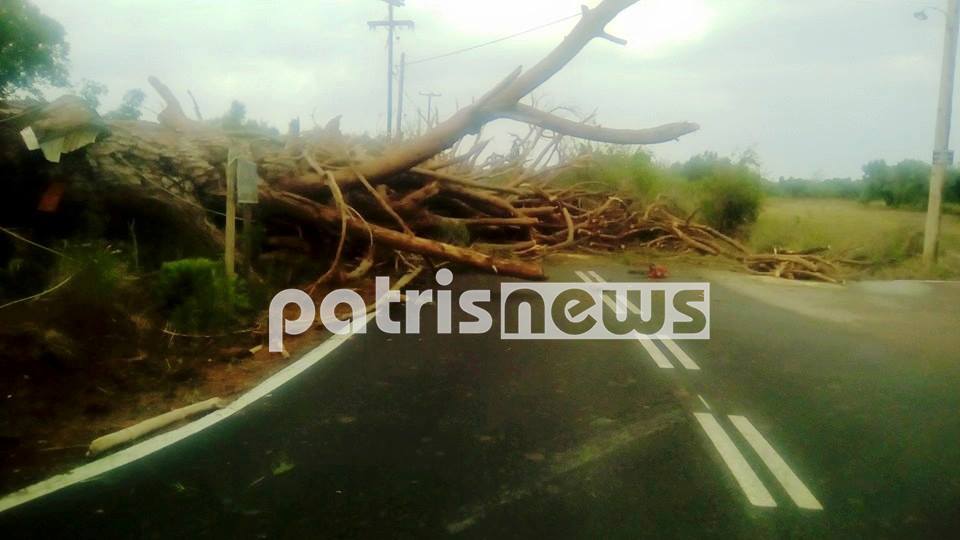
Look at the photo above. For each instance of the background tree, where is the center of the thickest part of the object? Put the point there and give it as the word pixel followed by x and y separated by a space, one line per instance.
pixel 235 116
pixel 91 92
pixel 32 49
pixel 902 185
pixel 130 107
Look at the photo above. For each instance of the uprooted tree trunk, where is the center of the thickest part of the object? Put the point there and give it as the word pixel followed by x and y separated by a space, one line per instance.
pixel 402 196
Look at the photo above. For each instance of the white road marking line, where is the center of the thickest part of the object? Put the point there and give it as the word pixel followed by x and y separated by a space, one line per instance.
pixel 748 480
pixel 705 404
pixel 159 442
pixel 654 352
pixel 681 356
pixel 675 349
pixel 630 305
pixel 784 474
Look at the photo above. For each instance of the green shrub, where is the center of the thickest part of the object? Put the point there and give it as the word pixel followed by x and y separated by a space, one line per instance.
pixel 196 295
pixel 98 272
pixel 727 193
pixel 730 202
pixel 631 171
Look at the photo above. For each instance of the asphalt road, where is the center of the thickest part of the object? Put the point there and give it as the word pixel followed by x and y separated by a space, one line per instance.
pixel 811 412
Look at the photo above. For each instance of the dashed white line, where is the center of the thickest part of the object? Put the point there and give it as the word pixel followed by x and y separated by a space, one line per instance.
pixel 630 305
pixel 658 357
pixel 784 474
pixel 682 357
pixel 748 480
pixel 654 352
pixel 705 404
pixel 582 276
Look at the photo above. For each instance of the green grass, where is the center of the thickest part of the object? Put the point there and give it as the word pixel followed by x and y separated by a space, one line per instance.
pixel 857 231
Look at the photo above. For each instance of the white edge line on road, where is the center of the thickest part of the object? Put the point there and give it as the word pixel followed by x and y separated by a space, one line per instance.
pixel 159 442
pixel 788 479
pixel 748 480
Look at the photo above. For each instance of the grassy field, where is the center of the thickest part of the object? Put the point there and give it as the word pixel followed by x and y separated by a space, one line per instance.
pixel 857 231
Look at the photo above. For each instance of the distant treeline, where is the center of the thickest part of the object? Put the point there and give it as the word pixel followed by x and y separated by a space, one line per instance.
pixel 904 185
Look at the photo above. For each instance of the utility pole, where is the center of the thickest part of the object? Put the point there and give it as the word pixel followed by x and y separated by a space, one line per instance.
pixel 942 156
pixel 430 96
pixel 391 24
pixel 403 73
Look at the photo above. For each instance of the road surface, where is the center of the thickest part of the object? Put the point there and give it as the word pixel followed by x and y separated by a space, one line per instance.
pixel 813 412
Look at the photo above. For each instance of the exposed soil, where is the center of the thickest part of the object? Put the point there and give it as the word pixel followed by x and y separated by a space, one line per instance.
pixel 68 378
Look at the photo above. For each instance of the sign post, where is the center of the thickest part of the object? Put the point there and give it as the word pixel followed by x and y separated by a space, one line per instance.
pixel 230 229
pixel 248 182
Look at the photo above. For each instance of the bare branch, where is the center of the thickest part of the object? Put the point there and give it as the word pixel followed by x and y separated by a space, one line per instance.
pixel 655 135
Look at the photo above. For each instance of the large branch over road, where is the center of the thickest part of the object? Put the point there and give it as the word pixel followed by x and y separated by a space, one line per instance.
pixel 503 102
pixel 659 134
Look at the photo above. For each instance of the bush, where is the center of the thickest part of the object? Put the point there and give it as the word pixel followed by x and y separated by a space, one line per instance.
pixel 618 169
pixel 196 295
pixel 904 185
pixel 98 272
pixel 729 192
pixel 731 202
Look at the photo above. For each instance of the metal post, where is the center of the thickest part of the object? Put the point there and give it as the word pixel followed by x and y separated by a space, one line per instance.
pixel 390 70
pixel 403 72
pixel 391 25
pixel 942 158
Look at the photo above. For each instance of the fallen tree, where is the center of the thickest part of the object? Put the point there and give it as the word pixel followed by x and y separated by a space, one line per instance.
pixel 421 196
pixel 399 198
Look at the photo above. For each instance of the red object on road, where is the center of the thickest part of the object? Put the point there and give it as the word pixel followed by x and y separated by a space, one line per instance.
pixel 50 200
pixel 657 272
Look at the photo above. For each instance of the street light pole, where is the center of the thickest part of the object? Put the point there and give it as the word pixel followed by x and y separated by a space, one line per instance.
pixel 942 157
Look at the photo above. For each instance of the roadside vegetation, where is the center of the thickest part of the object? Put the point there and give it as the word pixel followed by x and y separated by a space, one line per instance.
pixel 890 238
pixel 876 220
pixel 724 192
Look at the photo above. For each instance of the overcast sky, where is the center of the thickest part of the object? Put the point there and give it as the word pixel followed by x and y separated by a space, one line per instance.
pixel 816 87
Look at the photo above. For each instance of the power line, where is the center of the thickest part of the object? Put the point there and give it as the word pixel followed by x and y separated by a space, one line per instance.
pixel 505 38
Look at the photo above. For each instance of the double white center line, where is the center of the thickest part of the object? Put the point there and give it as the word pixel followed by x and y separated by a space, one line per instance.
pixel 743 473
pixel 739 467
pixel 659 358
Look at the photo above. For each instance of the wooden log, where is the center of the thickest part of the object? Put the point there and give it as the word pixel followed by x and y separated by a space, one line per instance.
pixel 136 431
pixel 308 211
